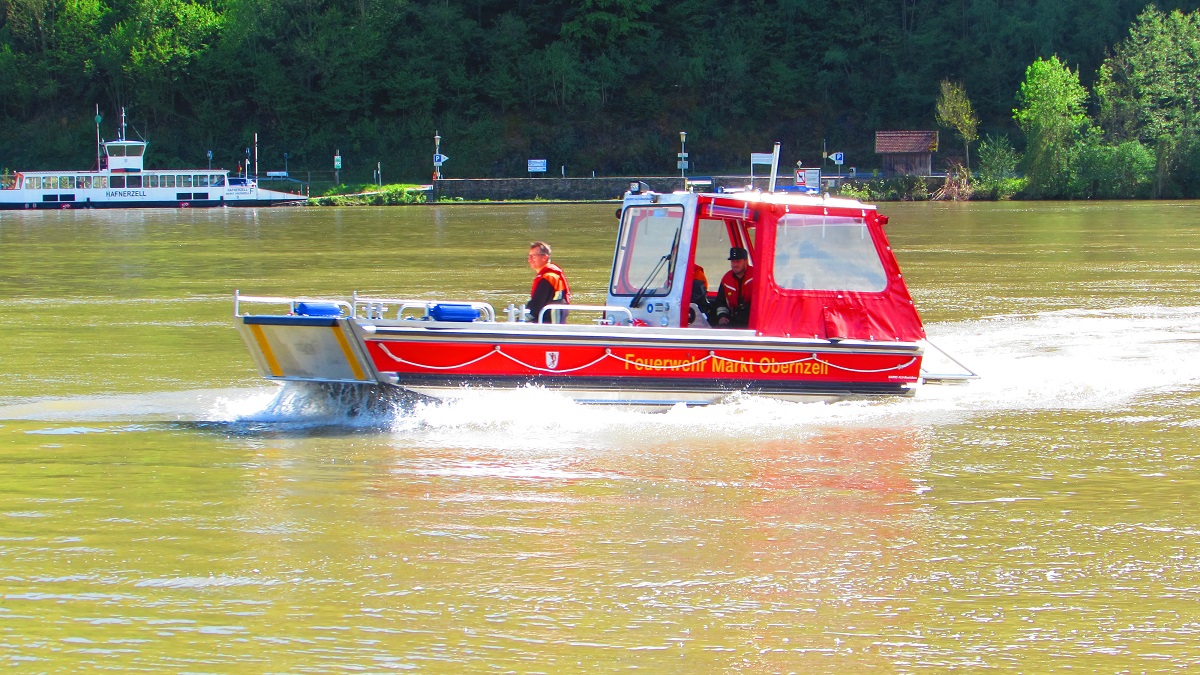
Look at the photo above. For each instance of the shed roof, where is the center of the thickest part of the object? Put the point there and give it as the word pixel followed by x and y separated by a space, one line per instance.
pixel 888 142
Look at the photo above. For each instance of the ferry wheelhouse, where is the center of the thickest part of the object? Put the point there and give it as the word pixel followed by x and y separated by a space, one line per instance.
pixel 830 316
pixel 123 182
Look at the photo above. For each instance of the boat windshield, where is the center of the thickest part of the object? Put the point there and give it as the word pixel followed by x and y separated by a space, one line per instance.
pixel 827 253
pixel 646 251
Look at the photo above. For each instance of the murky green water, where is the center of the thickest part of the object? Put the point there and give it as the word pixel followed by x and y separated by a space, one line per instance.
pixel 163 510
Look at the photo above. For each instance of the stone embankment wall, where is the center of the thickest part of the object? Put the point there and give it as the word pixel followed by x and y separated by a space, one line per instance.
pixel 582 189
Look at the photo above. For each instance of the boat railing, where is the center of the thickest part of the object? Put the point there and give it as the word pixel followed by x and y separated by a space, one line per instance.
pixel 604 320
pixel 961 377
pixel 378 308
pixel 296 306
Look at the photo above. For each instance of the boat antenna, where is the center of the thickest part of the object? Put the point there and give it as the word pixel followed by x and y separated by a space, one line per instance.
pixel 122 137
pixel 98 165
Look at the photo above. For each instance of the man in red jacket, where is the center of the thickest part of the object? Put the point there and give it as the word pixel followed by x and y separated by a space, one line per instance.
pixel 549 285
pixel 732 306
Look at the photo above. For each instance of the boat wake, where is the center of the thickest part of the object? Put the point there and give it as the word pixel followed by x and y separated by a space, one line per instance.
pixel 1069 359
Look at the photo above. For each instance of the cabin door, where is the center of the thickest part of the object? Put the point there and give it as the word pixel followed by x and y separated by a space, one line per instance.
pixel 710 260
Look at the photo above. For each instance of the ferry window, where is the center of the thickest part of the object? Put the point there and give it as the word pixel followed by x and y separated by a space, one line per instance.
pixel 84 182
pixel 136 150
pixel 827 253
pixel 100 182
pixel 151 180
pixel 33 183
pixel 133 182
pixel 185 181
pixel 115 150
pixel 168 181
pixel 117 181
pixel 218 180
pixel 646 253
pixel 202 181
pixel 66 182
pixel 50 183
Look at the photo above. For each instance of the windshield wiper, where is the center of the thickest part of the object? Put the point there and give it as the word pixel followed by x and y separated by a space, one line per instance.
pixel 637 298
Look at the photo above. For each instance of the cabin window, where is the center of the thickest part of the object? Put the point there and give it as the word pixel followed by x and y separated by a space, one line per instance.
pixel 50 183
pixel 100 182
pixel 84 182
pixel 202 181
pixel 827 253
pixel 151 180
pixel 712 249
pixel 136 150
pixel 646 251
pixel 116 181
pixel 218 180
pixel 33 183
pixel 133 181
pixel 185 181
pixel 115 150
pixel 66 182
pixel 168 181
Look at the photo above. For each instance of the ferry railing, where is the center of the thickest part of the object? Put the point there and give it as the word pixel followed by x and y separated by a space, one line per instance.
pixel 377 308
pixel 301 306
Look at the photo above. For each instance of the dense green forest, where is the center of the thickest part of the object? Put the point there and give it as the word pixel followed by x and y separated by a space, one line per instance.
pixel 601 85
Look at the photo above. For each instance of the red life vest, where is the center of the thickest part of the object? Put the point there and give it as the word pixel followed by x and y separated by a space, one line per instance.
pixel 554 275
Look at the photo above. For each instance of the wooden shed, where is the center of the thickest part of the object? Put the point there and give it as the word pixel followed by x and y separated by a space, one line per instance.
pixel 906 152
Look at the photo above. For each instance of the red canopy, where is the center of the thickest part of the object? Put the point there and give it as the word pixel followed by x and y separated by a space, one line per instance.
pixel 829 272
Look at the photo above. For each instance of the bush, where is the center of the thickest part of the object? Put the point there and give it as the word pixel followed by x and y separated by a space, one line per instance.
pixel 997 177
pixel 1104 171
pixel 895 189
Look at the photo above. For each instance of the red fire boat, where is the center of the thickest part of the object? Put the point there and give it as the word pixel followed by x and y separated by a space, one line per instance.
pixel 830 316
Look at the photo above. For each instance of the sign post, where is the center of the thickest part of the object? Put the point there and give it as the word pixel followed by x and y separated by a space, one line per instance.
pixel 682 164
pixel 337 167
pixel 537 166
pixel 438 158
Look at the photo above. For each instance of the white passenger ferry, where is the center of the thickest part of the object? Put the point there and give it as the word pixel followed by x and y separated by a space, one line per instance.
pixel 122 182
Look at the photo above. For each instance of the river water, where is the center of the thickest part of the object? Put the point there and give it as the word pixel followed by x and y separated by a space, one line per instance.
pixel 162 509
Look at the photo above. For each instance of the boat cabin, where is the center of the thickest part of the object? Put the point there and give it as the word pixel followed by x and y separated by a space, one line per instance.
pixel 124 156
pixel 822 267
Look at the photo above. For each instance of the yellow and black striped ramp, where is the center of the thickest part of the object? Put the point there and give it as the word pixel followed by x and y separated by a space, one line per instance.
pixel 305 348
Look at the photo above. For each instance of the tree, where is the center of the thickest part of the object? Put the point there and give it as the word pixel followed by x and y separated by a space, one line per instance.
pixel 954 111
pixel 1148 90
pixel 1051 113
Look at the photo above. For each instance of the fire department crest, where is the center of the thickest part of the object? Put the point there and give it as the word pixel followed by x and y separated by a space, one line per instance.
pixel 551 360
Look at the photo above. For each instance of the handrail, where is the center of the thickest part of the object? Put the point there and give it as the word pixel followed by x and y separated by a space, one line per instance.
pixel 374 307
pixel 584 308
pixel 238 299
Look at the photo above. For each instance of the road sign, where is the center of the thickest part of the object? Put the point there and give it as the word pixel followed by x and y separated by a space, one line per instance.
pixel 837 157
pixel 337 161
pixel 537 166
pixel 439 158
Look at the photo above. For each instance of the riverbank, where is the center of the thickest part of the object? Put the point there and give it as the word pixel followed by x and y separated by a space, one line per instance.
pixel 610 189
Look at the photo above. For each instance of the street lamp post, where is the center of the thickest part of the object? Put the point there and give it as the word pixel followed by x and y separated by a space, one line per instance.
pixel 683 163
pixel 285 158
